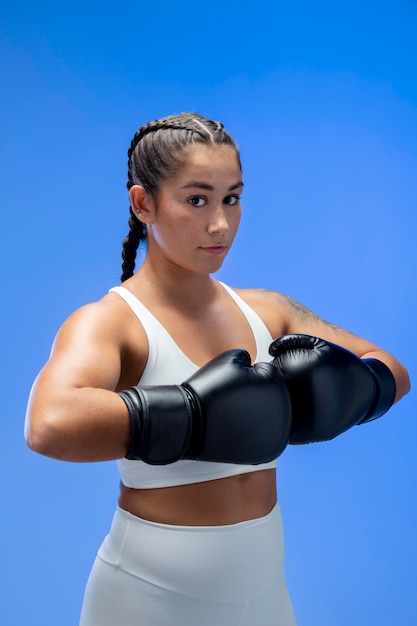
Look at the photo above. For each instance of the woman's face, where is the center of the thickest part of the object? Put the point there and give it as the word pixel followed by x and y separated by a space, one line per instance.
pixel 193 221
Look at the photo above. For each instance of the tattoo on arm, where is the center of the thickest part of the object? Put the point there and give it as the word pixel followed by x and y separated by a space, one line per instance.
pixel 302 312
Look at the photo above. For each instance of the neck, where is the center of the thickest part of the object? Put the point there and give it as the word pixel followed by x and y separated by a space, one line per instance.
pixel 175 286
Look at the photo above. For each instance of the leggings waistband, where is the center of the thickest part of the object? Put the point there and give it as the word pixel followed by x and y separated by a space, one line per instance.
pixel 221 561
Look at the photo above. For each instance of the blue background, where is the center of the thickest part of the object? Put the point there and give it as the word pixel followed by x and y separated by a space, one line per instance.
pixel 322 99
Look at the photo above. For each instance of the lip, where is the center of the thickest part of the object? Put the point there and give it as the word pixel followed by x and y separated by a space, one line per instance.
pixel 214 249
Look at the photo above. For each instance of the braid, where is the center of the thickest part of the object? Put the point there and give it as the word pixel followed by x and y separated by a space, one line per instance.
pixel 137 233
pixel 153 156
pixel 164 123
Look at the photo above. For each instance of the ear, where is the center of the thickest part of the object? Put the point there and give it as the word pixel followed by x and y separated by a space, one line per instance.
pixel 143 205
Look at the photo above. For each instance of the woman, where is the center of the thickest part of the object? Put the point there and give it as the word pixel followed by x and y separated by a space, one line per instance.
pixel 197 535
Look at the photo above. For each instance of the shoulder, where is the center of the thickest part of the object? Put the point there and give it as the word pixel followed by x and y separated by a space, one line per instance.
pixel 102 342
pixel 282 314
pixel 106 322
pixel 106 314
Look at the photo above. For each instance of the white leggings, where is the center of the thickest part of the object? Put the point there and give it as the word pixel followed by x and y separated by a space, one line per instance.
pixel 149 574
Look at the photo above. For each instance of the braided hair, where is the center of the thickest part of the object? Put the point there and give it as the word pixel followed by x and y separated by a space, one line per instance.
pixel 154 155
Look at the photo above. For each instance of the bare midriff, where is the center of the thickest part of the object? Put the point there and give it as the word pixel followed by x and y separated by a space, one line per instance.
pixel 213 503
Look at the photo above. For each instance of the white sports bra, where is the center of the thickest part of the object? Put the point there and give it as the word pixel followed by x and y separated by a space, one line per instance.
pixel 168 365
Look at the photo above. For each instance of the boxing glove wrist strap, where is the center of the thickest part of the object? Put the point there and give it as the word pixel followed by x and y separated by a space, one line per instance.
pixel 161 423
pixel 386 389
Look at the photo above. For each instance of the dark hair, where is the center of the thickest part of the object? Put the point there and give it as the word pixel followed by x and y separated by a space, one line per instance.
pixel 154 155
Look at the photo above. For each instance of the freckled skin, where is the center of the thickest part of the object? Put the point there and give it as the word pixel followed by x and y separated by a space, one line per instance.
pixel 194 212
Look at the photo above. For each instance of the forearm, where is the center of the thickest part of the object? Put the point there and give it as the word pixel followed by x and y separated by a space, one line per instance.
pixel 81 425
pixel 228 411
pixel 399 372
pixel 295 318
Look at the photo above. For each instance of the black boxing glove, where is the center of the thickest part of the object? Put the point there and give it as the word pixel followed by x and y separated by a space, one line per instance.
pixel 331 388
pixel 229 411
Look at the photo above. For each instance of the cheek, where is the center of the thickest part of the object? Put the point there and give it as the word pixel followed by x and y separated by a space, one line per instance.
pixel 175 229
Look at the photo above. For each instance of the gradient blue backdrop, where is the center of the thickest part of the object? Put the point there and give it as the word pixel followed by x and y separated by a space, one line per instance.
pixel 322 98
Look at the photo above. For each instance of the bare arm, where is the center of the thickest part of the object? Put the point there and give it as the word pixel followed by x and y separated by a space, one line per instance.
pixel 284 315
pixel 73 412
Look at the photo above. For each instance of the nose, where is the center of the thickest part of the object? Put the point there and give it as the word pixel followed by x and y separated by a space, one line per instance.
pixel 218 222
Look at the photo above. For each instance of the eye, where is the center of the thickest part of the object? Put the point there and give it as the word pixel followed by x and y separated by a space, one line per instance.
pixel 231 200
pixel 197 201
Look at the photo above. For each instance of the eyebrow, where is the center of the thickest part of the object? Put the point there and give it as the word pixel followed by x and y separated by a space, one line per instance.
pixel 207 187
